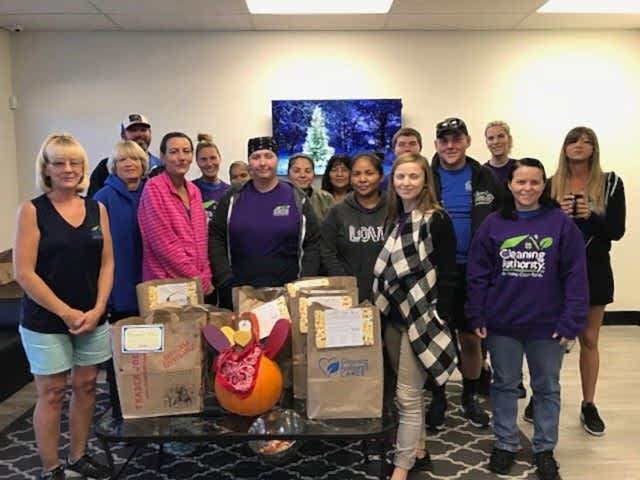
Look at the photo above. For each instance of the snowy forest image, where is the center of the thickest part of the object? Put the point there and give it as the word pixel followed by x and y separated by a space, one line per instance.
pixel 322 128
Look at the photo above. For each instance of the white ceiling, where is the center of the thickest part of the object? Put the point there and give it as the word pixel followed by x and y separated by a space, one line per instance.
pixel 232 15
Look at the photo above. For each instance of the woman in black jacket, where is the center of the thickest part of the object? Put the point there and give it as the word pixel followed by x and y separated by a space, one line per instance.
pixel 264 233
pixel 595 200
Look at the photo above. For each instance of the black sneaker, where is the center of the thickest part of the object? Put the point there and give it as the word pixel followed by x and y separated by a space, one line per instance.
pixel 484 382
pixel 528 412
pixel 522 392
pixel 474 412
pixel 86 468
pixel 501 461
pixel 435 413
pixel 423 464
pixel 590 419
pixel 546 466
pixel 55 474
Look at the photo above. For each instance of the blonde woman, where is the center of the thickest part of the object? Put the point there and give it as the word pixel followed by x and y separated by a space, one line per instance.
pixel 211 187
pixel 415 275
pixel 121 196
pixel 64 263
pixel 595 200
pixel 497 136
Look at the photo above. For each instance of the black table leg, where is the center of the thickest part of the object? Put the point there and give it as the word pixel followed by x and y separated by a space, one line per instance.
pixel 107 451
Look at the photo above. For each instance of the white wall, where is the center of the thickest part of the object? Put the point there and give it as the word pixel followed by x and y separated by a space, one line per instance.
pixel 542 83
pixel 8 167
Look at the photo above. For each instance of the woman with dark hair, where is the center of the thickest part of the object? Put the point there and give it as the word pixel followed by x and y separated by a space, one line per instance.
pixel 63 261
pixel 415 275
pixel 595 201
pixel 265 233
pixel 211 187
pixel 301 174
pixel 336 177
pixel 527 285
pixel 353 231
pixel 172 220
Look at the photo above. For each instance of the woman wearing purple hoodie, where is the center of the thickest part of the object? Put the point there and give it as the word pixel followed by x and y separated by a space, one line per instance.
pixel 527 284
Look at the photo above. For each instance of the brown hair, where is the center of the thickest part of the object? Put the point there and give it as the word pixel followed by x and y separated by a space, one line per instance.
pixel 560 182
pixel 205 140
pixel 406 132
pixel 427 200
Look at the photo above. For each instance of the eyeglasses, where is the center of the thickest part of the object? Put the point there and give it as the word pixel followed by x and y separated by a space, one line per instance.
pixel 60 164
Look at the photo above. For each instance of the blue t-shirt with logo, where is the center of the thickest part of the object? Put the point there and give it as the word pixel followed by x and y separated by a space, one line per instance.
pixel 457 201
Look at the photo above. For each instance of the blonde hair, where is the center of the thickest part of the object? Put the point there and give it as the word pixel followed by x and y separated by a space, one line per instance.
pixel 502 125
pixel 427 200
pixel 205 141
pixel 54 146
pixel 560 182
pixel 128 149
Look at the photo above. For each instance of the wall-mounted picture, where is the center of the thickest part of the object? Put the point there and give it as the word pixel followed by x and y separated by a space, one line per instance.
pixel 322 128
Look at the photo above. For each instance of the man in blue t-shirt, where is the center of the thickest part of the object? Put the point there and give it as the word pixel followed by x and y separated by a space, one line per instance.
pixel 134 127
pixel 468 192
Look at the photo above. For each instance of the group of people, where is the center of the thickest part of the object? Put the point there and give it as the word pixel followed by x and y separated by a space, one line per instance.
pixel 459 257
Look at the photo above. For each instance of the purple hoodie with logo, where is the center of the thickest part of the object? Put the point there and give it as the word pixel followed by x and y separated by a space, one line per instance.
pixel 527 278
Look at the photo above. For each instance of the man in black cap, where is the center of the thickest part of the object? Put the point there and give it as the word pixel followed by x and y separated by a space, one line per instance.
pixel 468 192
pixel 134 127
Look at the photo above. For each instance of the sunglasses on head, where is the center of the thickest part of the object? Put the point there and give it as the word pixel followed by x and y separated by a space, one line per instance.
pixel 450 123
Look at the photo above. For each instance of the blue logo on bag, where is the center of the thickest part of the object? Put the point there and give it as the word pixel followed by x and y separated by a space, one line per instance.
pixel 344 368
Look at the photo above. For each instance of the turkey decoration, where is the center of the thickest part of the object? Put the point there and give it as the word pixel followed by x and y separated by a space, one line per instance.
pixel 247 380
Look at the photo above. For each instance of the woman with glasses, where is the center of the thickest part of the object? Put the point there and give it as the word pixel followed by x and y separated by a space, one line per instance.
pixel 595 201
pixel 527 296
pixel 336 177
pixel 64 263
pixel 301 173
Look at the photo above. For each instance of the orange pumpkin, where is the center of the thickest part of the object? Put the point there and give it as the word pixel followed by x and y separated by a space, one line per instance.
pixel 266 391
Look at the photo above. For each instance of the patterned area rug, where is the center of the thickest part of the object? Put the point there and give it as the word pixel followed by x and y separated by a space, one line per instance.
pixel 461 451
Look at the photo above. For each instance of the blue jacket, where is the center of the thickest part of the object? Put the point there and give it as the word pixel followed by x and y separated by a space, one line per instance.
pixel 127 243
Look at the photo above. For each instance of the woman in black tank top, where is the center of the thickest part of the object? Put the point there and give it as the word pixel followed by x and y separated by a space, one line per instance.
pixel 63 261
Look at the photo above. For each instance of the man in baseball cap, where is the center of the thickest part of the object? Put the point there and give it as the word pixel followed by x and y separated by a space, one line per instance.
pixel 468 192
pixel 135 127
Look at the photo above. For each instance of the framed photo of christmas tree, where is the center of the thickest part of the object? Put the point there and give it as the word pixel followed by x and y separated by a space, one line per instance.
pixel 322 128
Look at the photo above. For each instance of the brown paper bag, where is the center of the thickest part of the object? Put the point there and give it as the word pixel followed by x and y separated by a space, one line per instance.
pixel 269 304
pixel 167 382
pixel 328 296
pixel 174 292
pixel 347 381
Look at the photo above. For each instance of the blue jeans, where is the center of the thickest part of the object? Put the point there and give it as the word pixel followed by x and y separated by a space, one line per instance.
pixel 544 358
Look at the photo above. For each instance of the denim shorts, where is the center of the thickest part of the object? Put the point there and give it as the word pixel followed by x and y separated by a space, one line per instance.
pixel 51 353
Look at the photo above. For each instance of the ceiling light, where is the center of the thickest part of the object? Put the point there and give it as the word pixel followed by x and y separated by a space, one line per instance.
pixel 313 7
pixel 590 6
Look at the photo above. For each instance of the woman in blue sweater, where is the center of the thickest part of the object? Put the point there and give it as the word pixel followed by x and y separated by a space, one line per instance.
pixel 121 196
pixel 527 285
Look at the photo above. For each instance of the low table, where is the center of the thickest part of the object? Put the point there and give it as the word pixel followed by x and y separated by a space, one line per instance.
pixel 215 426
